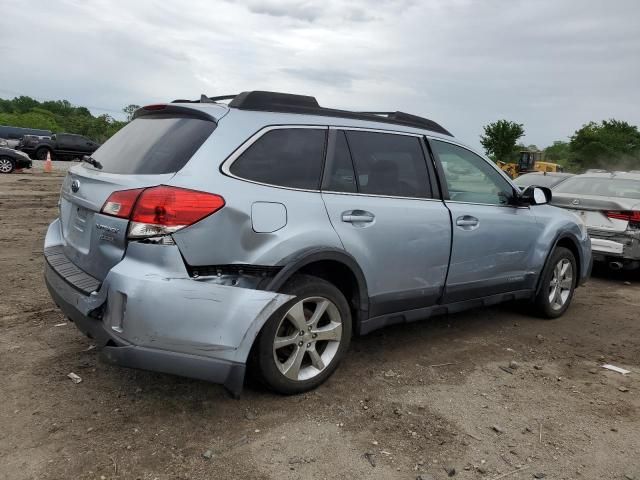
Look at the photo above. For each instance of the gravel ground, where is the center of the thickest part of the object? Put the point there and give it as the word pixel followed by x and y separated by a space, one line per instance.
pixel 488 393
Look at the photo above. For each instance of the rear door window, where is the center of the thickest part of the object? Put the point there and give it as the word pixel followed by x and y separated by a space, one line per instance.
pixel 389 164
pixel 154 144
pixel 287 157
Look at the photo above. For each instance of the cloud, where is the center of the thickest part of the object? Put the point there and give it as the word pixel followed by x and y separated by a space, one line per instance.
pixel 550 65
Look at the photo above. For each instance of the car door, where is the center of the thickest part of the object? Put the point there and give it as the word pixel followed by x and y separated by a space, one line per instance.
pixel 64 143
pixel 493 238
pixel 380 201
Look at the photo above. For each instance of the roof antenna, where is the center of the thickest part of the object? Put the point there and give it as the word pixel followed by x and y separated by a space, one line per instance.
pixel 205 99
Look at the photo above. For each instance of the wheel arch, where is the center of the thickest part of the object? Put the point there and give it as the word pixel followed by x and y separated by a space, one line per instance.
pixel 333 265
pixel 568 241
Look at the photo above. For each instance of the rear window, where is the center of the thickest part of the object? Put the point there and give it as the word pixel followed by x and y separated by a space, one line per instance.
pixel 538 180
pixel 287 157
pixel 601 187
pixel 154 144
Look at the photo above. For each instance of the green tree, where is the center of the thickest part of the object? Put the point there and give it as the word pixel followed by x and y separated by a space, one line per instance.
pixel 610 144
pixel 57 116
pixel 129 110
pixel 499 139
pixel 559 150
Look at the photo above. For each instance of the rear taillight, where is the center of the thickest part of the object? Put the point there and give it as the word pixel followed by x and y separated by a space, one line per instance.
pixel 624 215
pixel 161 210
pixel 120 204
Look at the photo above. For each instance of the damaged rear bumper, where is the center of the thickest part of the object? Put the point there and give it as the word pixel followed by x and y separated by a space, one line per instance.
pixel 622 246
pixel 149 314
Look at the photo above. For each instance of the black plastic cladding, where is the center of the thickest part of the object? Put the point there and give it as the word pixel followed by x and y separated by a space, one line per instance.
pixel 303 104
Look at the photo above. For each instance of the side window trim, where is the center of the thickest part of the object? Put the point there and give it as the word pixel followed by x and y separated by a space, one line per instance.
pixel 437 192
pixel 332 140
pixel 441 176
pixel 226 164
pixel 434 191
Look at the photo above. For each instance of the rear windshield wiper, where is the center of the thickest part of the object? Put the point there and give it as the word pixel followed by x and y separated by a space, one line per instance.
pixel 92 161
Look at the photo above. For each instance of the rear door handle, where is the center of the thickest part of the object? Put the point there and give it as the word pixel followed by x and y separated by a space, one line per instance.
pixel 357 216
pixel 467 222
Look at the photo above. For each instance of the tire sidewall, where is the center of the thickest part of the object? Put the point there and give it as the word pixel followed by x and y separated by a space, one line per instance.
pixel 301 286
pixel 543 295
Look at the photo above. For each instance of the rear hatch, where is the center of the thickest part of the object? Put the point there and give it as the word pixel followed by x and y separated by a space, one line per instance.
pixel 145 153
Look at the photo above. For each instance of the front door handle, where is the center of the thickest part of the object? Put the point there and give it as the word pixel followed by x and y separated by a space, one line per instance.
pixel 467 222
pixel 357 216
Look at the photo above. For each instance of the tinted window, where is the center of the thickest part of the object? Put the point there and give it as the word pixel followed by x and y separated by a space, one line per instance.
pixel 601 187
pixel 339 176
pixel 388 164
pixel 469 177
pixel 154 144
pixel 289 157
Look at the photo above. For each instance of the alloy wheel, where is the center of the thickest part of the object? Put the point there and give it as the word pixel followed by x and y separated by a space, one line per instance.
pixel 561 284
pixel 307 338
pixel 5 165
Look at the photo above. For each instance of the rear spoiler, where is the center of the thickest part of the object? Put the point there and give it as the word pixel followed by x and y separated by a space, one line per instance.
pixel 167 109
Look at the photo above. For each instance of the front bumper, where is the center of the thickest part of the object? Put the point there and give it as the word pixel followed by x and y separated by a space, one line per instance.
pixel 149 314
pixel 23 162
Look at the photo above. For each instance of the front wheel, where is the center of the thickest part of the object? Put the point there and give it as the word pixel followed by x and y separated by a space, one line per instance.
pixel 6 165
pixel 303 342
pixel 558 284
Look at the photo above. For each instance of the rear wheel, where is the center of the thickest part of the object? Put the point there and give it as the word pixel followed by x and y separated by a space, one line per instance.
pixel 6 165
pixel 303 342
pixel 558 284
pixel 41 153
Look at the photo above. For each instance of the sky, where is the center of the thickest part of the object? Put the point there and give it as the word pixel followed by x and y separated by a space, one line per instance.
pixel 552 65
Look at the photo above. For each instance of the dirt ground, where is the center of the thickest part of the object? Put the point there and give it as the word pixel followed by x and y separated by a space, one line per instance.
pixel 420 399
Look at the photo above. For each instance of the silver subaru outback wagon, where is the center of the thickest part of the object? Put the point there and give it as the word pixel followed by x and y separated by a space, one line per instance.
pixel 204 237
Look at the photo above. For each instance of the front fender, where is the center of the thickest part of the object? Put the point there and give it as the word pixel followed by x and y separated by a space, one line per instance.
pixel 561 226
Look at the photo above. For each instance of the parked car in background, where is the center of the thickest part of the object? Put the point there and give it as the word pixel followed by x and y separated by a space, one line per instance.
pixel 13 135
pixel 541 179
pixel 10 159
pixel 609 204
pixel 61 146
pixel 204 237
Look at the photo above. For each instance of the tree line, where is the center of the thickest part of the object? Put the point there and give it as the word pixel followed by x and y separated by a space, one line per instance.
pixel 60 116
pixel 609 144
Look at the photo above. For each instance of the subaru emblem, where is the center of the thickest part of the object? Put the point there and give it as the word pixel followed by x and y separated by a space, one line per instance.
pixel 75 186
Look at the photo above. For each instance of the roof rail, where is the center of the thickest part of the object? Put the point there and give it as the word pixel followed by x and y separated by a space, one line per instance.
pixel 258 100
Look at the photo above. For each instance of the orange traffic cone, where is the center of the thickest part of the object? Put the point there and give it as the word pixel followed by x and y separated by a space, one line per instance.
pixel 48 166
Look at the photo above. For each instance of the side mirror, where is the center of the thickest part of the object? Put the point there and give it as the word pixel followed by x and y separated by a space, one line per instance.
pixel 533 195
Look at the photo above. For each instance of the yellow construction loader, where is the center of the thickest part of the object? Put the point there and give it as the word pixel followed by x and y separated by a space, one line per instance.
pixel 529 161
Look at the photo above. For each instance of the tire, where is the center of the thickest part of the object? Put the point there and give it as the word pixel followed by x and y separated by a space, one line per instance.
pixel 7 165
pixel 317 359
pixel 557 284
pixel 41 154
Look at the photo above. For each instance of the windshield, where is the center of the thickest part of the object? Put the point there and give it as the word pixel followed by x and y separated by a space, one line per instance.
pixel 601 187
pixel 154 144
